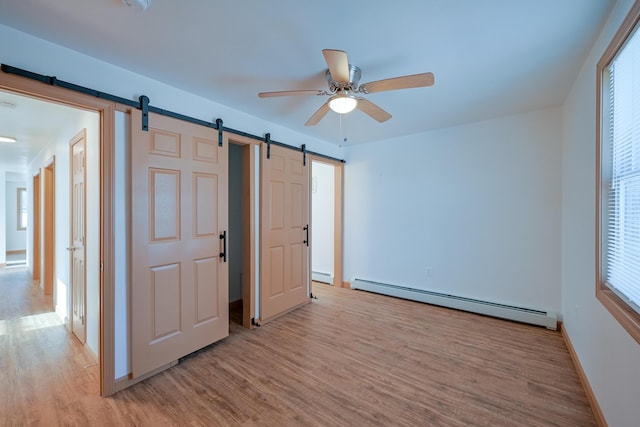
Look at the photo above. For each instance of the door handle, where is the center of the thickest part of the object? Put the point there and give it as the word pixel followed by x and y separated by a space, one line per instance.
pixel 223 254
pixel 306 229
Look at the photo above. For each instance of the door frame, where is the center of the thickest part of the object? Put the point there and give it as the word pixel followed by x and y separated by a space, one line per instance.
pixel 106 111
pixel 249 270
pixel 37 217
pixel 49 226
pixel 338 231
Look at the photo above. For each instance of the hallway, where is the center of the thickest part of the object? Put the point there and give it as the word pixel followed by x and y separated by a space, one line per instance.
pixel 38 356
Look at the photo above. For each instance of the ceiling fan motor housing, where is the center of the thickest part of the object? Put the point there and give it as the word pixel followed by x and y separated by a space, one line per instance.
pixel 354 78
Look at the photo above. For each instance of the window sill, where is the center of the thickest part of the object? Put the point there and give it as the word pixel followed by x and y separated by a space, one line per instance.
pixel 625 315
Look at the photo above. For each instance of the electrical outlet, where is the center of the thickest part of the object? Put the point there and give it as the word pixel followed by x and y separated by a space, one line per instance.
pixel 428 271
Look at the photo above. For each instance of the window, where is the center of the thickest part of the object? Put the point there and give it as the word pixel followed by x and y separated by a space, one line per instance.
pixel 22 208
pixel 618 193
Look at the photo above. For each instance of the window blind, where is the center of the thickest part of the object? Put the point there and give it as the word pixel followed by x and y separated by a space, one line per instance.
pixel 623 210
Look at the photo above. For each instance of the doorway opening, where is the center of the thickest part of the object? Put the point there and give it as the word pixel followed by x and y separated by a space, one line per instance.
pixel 236 233
pixel 326 221
pixel 322 232
pixel 43 129
pixel 243 251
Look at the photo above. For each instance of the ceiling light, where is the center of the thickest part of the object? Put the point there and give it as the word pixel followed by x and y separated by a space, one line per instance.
pixel 7 139
pixel 342 103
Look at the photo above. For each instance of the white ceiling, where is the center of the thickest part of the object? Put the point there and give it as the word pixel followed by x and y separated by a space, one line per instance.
pixel 33 123
pixel 490 58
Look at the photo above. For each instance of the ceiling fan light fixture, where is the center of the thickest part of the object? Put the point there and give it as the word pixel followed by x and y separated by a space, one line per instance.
pixel 342 103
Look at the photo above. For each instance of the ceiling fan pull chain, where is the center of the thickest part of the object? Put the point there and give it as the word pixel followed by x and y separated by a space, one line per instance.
pixel 343 130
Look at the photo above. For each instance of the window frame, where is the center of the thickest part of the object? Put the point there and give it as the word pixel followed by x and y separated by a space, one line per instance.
pixel 20 208
pixel 628 318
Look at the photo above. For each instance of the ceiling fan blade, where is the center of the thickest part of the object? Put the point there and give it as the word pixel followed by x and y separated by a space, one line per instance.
pixel 291 93
pixel 338 64
pixel 318 115
pixel 404 82
pixel 372 110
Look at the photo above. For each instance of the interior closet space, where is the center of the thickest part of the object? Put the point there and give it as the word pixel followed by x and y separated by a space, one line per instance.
pixel 242 239
pixel 236 233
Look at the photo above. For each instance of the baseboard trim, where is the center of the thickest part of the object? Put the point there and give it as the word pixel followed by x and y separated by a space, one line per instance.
pixel 235 305
pixel 91 353
pixel 317 276
pixel 346 285
pixel 591 397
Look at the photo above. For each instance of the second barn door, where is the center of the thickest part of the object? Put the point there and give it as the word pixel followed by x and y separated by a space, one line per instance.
pixel 284 248
pixel 179 271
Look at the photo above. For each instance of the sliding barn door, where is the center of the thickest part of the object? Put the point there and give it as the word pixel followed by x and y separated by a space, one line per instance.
pixel 179 289
pixel 284 279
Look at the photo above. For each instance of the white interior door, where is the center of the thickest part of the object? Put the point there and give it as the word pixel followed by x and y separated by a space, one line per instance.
pixel 284 253
pixel 179 289
pixel 78 231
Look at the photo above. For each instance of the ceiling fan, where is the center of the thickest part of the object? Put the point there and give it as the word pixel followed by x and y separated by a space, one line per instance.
pixel 343 81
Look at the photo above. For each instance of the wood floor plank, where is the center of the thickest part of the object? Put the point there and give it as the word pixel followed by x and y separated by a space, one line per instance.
pixel 350 358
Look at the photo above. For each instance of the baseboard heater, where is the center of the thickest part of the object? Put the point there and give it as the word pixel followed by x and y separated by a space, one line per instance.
pixel 322 277
pixel 520 314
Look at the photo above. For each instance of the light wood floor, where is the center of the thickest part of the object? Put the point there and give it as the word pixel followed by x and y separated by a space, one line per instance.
pixel 348 359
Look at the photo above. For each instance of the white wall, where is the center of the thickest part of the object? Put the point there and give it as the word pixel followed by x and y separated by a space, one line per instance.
pixel 322 206
pixel 58 147
pixel 479 204
pixel 608 354
pixel 16 240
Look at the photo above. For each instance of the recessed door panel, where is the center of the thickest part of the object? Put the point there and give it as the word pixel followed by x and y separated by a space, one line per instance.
pixel 164 143
pixel 297 255
pixel 205 195
pixel 205 150
pixel 276 205
pixel 206 301
pixel 164 191
pixel 276 270
pixel 297 207
pixel 165 287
